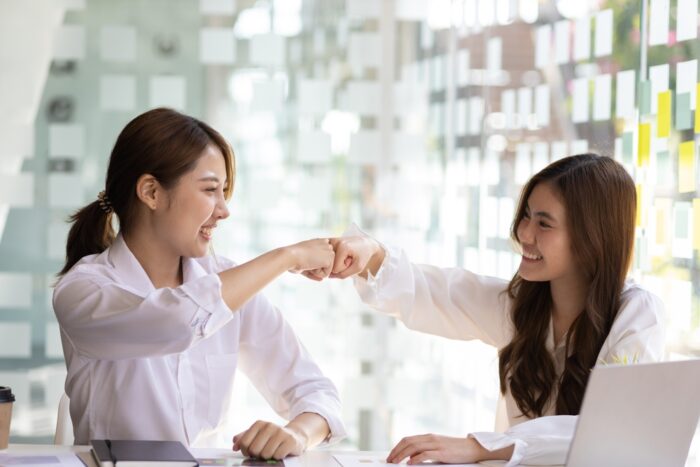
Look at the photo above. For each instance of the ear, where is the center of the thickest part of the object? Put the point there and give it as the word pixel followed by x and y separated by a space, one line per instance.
pixel 149 191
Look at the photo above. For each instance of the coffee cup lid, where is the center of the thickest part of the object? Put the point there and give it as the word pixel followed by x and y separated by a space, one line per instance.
pixel 6 394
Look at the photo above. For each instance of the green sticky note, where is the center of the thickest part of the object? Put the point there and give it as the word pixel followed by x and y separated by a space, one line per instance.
pixel 683 115
pixel 628 148
pixel 644 97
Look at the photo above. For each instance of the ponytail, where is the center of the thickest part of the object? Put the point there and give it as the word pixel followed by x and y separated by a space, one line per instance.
pixel 91 233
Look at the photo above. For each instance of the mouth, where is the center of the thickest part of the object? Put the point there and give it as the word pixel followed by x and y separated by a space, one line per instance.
pixel 206 231
pixel 531 256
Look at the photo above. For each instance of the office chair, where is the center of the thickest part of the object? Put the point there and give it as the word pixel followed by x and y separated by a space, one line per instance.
pixel 64 425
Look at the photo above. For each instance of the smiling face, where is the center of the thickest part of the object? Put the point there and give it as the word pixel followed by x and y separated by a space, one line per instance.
pixel 544 238
pixel 192 208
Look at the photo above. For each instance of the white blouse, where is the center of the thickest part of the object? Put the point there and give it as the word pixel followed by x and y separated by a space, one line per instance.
pixel 146 363
pixel 458 304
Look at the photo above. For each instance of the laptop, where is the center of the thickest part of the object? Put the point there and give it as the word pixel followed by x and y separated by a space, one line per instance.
pixel 638 415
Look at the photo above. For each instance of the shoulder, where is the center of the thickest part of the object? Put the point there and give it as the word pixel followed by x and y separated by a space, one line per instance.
pixel 639 308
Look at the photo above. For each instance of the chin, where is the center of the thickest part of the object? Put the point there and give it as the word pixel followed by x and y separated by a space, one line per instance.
pixel 530 277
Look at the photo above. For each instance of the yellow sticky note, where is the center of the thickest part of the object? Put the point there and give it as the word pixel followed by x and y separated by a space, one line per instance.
pixel 697 108
pixel 644 144
pixel 639 204
pixel 696 223
pixel 686 167
pixel 663 122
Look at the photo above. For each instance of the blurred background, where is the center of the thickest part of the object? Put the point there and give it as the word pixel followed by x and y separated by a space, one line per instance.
pixel 418 120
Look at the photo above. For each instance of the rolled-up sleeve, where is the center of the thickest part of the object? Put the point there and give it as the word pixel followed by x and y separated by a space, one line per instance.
pixel 448 302
pixel 282 370
pixel 106 320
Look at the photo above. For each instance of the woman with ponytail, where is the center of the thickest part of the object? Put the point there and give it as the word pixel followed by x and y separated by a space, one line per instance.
pixel 153 327
pixel 569 307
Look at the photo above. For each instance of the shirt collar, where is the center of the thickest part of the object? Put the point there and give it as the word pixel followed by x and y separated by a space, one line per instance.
pixel 132 273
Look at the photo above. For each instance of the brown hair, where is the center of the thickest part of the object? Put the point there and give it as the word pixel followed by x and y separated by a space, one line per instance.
pixel 600 201
pixel 161 142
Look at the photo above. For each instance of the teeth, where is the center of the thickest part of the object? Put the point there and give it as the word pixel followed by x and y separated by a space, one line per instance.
pixel 530 256
pixel 206 231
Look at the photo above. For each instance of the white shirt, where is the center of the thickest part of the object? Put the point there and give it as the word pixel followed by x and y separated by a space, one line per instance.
pixel 458 304
pixel 146 363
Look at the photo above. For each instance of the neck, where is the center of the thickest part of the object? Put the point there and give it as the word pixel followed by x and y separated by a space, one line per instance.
pixel 568 300
pixel 162 266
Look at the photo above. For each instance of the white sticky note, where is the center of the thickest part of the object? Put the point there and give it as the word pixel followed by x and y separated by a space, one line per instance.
pixel 15 290
pixel 658 75
pixel 686 79
pixel 69 43
pixel 558 150
pixel 523 164
pixel 463 67
pixel 542 105
pixel 53 347
pixel 313 147
pixel 66 140
pixel 268 96
pixel 118 43
pixel 508 108
pixel 603 33
pixel 582 39
pixel 167 91
pixel 315 96
pixel 659 11
pixel 461 114
pixel 494 52
pixel 17 190
pixel 363 97
pixel 473 166
pixel 217 7
pixel 408 148
pixel 561 41
pixel 624 94
pixel 267 49
pixel 410 98
pixel 56 241
pixel 365 147
pixel 15 340
pixel 411 10
pixel 524 105
pixel 17 140
pixel 364 50
pixel 579 146
pixel 540 156
pixel 687 20
pixel 476 115
pixel 579 112
pixel 602 94
pixel 217 46
pixel 363 9
pixel 65 191
pixel 543 41
pixel 117 92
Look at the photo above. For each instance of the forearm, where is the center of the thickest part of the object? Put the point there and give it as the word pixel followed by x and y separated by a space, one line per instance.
pixel 310 426
pixel 241 283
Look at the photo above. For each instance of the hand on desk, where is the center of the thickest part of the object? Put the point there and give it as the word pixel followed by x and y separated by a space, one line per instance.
pixel 269 441
pixel 445 449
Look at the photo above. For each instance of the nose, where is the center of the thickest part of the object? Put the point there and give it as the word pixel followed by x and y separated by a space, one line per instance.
pixel 526 232
pixel 221 211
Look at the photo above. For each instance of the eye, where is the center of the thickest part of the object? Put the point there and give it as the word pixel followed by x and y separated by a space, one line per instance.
pixel 545 225
pixel 211 189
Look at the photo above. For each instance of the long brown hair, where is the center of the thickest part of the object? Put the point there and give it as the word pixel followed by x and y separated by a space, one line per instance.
pixel 161 142
pixel 600 201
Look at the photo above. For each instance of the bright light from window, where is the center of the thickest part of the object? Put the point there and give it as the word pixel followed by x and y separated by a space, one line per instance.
pixel 439 14
pixel 251 22
pixel 573 8
pixel 287 17
pixel 240 84
pixel 340 125
pixel 529 10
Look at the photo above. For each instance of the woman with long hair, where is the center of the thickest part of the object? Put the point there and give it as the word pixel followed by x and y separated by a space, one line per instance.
pixel 568 307
pixel 153 327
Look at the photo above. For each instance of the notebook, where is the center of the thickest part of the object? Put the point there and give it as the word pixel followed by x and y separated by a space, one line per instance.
pixel 131 453
pixel 641 415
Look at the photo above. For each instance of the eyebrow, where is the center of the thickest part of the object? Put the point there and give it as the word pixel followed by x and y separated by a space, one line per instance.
pixel 544 214
pixel 209 179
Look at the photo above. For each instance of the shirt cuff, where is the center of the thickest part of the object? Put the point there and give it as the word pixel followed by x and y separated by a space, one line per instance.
pixel 213 313
pixel 369 288
pixel 335 424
